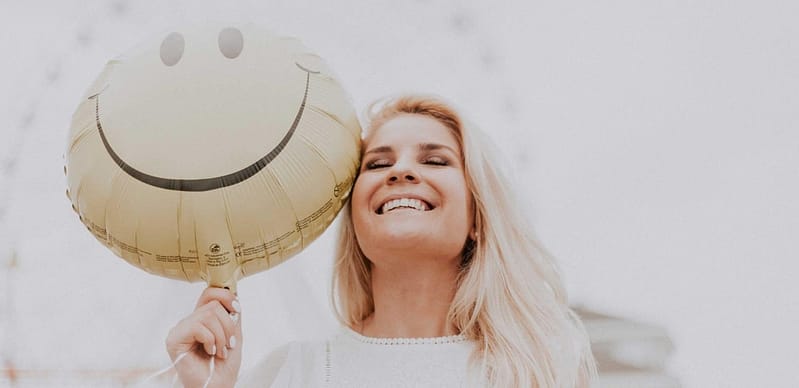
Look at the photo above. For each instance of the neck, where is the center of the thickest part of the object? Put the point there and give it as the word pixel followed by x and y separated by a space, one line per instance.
pixel 411 300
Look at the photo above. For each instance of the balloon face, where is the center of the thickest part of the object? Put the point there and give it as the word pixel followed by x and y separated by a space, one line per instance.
pixel 213 153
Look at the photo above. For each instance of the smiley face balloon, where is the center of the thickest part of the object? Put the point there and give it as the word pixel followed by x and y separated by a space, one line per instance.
pixel 212 153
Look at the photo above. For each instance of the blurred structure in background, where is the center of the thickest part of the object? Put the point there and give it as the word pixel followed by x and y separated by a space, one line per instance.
pixel 629 354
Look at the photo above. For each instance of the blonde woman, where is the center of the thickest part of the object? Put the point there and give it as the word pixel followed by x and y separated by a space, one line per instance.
pixel 438 281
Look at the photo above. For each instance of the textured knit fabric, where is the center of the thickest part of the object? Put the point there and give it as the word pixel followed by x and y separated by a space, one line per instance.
pixel 353 361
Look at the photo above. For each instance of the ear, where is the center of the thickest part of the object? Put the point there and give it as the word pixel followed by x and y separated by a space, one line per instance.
pixel 473 233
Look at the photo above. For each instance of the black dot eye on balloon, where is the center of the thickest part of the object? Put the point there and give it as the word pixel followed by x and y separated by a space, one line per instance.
pixel 231 42
pixel 172 48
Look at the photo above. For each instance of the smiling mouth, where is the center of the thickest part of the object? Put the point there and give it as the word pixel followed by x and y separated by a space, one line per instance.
pixel 212 183
pixel 404 204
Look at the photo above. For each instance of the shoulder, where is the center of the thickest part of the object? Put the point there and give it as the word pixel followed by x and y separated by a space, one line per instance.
pixel 290 365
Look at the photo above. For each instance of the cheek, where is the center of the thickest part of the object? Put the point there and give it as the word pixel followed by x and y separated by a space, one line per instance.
pixel 456 188
pixel 360 192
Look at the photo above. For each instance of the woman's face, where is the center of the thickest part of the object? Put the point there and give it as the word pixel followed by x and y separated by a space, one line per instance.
pixel 410 201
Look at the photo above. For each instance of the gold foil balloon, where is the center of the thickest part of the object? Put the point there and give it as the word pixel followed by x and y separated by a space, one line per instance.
pixel 212 153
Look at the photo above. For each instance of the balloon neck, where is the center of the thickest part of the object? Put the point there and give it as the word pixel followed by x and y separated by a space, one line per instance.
pixel 231 285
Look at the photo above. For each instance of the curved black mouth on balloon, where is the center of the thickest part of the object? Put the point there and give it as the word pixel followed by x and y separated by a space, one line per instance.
pixel 205 184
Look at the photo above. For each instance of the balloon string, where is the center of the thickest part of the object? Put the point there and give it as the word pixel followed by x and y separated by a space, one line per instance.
pixel 210 372
pixel 167 369
pixel 175 363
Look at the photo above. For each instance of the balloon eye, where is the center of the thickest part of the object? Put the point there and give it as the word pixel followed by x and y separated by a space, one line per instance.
pixel 172 49
pixel 231 42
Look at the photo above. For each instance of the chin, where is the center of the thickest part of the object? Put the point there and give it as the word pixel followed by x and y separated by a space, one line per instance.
pixel 410 246
pixel 408 240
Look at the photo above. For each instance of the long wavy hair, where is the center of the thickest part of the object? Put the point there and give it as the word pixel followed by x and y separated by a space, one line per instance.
pixel 510 298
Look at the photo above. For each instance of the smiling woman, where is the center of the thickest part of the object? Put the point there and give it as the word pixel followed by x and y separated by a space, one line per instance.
pixel 470 266
pixel 412 159
pixel 438 281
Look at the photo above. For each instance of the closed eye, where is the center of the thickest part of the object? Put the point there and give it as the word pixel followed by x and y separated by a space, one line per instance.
pixel 383 163
pixel 437 161
pixel 377 163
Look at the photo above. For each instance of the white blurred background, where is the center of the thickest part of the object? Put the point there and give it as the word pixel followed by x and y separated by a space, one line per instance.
pixel 656 143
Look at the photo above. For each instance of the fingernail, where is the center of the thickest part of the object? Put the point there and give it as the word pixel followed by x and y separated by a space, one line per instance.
pixel 213 350
pixel 224 353
pixel 236 305
pixel 232 341
pixel 234 317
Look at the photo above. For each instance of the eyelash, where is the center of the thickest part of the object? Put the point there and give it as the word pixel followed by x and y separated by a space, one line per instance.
pixel 382 163
pixel 437 161
pixel 375 164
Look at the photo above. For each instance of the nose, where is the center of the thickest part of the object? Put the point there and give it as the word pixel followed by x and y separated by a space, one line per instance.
pixel 402 173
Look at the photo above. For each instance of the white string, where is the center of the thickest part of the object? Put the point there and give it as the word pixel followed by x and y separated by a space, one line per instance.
pixel 167 369
pixel 210 372
pixel 174 363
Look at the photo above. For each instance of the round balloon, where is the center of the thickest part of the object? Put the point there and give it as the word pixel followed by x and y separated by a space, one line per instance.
pixel 212 153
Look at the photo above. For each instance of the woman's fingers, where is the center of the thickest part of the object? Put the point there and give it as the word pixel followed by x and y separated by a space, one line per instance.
pixel 212 329
pixel 183 337
pixel 220 338
pixel 206 337
pixel 214 324
pixel 227 298
pixel 229 323
pixel 214 317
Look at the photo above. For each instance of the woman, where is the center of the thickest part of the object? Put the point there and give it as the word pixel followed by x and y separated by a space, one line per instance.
pixel 438 281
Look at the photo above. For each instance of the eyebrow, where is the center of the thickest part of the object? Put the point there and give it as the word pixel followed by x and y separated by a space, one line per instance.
pixel 422 147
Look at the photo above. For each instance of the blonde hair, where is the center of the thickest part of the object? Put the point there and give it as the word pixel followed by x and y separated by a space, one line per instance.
pixel 510 298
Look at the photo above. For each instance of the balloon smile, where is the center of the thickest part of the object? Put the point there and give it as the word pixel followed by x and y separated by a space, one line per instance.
pixel 211 156
pixel 205 184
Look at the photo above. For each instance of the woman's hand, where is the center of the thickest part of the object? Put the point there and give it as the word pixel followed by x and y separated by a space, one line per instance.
pixel 212 330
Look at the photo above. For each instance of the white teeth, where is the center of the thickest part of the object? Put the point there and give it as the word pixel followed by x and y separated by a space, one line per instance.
pixel 404 203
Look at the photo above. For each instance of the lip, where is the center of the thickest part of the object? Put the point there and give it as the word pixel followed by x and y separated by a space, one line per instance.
pixel 392 197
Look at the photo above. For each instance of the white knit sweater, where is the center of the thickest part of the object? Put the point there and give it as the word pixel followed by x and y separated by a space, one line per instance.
pixel 351 360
